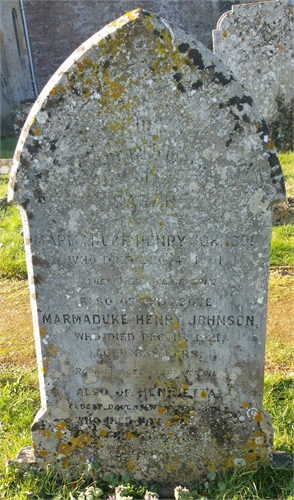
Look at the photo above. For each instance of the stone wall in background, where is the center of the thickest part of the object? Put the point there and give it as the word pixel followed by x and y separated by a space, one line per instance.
pixel 15 71
pixel 56 28
pixel 256 41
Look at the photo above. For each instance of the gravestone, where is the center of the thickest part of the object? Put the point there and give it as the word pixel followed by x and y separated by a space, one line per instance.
pixel 146 184
pixel 256 41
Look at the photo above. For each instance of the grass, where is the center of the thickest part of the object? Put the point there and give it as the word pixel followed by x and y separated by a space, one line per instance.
pixel 278 401
pixel 12 258
pixel 4 178
pixel 282 245
pixel 287 162
pixel 8 145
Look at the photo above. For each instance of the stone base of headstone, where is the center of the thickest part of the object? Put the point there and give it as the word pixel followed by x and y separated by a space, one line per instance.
pixel 281 460
pixel 284 213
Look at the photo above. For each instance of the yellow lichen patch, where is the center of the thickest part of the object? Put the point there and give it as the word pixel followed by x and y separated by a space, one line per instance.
pixel 177 417
pixel 211 468
pixel 251 444
pixel 174 465
pixel 161 223
pixel 42 331
pixel 44 368
pixel 257 433
pixel 129 435
pixel 185 386
pixel 116 127
pixel 228 463
pixel 130 465
pixel 161 410
pixel 132 15
pixel 203 394
pixel 225 34
pixel 74 442
pixel 103 432
pixel 176 325
pixel 250 457
pixel 271 144
pixel 258 417
pixel 183 344
pixel 35 448
pixel 37 131
pixel 46 433
pixel 186 419
pixel 281 47
pixel 245 404
pixel 158 383
pixel 155 137
pixel 43 453
pixel 155 420
pixel 64 449
pixel 257 125
pixel 55 90
pixel 65 463
pixel 61 428
pixel 81 440
pixel 168 423
pixel 169 434
pixel 32 121
pixel 87 62
pixel 52 349
pixel 98 443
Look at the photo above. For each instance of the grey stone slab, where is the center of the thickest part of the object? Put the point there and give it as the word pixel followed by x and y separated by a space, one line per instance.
pixel 146 185
pixel 256 41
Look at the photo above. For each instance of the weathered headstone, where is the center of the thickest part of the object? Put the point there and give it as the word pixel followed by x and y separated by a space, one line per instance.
pixel 256 41
pixel 146 186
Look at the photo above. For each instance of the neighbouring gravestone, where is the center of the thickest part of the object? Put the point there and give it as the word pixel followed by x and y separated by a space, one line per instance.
pixel 256 41
pixel 146 186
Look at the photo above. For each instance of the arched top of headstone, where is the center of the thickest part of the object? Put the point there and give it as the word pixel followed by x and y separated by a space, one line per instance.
pixel 146 179
pixel 142 65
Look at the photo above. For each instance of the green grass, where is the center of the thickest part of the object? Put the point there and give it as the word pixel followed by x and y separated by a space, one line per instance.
pixel 19 402
pixel 4 178
pixel 282 246
pixel 12 257
pixel 278 401
pixel 287 162
pixel 8 145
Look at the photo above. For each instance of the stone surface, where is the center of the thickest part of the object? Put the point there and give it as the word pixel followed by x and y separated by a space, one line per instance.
pixel 281 459
pixel 146 184
pixel 5 165
pixel 256 41
pixel 284 213
pixel 16 86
